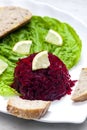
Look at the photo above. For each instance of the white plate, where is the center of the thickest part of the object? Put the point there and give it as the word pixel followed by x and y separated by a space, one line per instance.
pixel 63 110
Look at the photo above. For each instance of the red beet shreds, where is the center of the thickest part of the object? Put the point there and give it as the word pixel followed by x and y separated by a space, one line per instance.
pixel 44 84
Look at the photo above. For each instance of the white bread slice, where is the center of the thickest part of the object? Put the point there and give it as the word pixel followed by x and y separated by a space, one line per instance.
pixel 27 109
pixel 11 18
pixel 80 92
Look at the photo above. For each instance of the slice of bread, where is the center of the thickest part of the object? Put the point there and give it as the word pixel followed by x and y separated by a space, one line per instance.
pixel 11 18
pixel 27 109
pixel 80 92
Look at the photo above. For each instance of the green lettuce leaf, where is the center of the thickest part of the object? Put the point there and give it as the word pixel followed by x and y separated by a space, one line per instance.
pixel 36 30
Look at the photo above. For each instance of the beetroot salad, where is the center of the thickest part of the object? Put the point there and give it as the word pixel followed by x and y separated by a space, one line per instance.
pixel 43 84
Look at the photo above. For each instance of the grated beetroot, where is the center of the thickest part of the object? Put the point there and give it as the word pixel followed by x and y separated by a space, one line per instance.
pixel 43 84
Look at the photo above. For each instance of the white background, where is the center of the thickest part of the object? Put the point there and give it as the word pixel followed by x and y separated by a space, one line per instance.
pixel 78 8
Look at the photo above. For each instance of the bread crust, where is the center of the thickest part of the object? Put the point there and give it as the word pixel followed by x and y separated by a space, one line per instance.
pixel 80 92
pixel 12 18
pixel 80 98
pixel 28 113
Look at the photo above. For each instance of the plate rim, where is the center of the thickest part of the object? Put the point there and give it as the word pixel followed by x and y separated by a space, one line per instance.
pixel 75 18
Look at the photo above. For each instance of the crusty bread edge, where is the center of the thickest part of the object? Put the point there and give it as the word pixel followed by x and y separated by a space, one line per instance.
pixel 17 25
pixel 82 97
pixel 79 98
pixel 28 114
